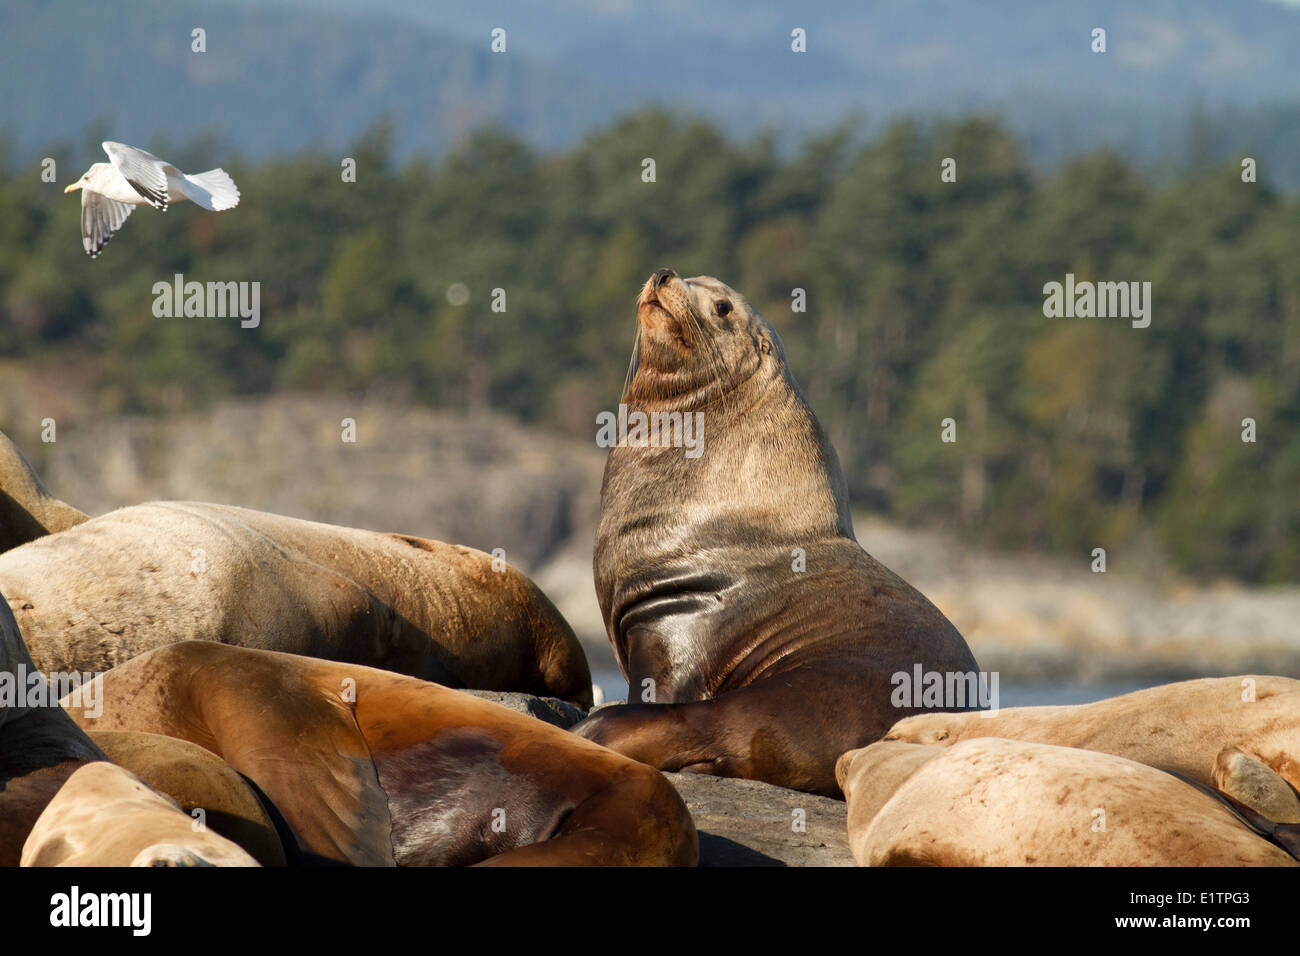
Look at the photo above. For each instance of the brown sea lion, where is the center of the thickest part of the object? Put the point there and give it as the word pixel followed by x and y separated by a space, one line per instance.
pixel 106 816
pixel 375 768
pixel 197 779
pixel 27 510
pixel 1240 735
pixel 40 746
pixel 994 802
pixel 135 579
pixel 731 584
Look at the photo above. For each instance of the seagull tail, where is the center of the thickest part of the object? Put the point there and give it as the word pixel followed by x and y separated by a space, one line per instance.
pixel 213 190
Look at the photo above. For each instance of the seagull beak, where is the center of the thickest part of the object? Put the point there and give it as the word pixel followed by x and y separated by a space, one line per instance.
pixel 72 188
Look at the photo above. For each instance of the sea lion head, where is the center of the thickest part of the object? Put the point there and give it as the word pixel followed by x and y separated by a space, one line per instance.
pixel 871 776
pixel 168 854
pixel 698 338
pixel 703 349
pixel 941 728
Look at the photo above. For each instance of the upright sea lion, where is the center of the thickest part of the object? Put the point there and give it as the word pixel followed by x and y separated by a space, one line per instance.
pixel 135 579
pixel 27 510
pixel 994 802
pixel 106 816
pixel 730 578
pixel 1240 735
pixel 40 746
pixel 197 779
pixel 375 768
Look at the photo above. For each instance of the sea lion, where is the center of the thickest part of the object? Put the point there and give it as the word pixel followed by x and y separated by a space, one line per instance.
pixel 728 574
pixel 994 802
pixel 1240 735
pixel 197 779
pixel 135 579
pixel 40 746
pixel 369 767
pixel 106 816
pixel 27 510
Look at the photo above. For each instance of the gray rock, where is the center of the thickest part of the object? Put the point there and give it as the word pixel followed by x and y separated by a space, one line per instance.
pixel 748 823
pixel 550 709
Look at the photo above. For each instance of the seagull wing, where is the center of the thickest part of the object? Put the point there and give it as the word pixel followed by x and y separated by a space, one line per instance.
pixel 101 218
pixel 145 172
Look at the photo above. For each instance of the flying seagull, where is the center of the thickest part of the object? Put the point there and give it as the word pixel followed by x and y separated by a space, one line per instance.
pixel 133 178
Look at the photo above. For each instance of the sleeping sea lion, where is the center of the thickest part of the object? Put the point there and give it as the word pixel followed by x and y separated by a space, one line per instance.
pixel 135 579
pixel 369 767
pixel 993 802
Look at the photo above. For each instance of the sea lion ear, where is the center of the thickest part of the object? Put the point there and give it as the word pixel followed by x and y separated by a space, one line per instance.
pixel 765 345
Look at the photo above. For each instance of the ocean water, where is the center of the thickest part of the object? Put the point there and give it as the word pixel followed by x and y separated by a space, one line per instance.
pixel 1038 695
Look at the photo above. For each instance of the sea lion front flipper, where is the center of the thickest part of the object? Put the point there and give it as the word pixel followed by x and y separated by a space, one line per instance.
pixel 1284 835
pixel 265 715
pixel 303 748
pixel 622 824
pixel 734 735
pixel 328 792
pixel 1252 782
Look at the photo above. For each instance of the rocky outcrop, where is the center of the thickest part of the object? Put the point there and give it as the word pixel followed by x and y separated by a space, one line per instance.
pixel 748 823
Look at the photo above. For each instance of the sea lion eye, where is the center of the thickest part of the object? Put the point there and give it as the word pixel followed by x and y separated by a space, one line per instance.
pixel 722 307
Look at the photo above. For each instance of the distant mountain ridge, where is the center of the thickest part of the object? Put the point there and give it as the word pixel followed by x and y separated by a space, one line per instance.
pixel 286 75
pixel 272 80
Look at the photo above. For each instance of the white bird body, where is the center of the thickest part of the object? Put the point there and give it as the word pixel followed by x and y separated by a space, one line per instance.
pixel 104 179
pixel 133 177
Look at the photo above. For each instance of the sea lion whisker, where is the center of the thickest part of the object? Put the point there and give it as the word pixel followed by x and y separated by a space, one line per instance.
pixel 632 362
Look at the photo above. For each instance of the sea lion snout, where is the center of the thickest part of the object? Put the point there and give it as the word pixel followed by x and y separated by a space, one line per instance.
pixel 666 315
